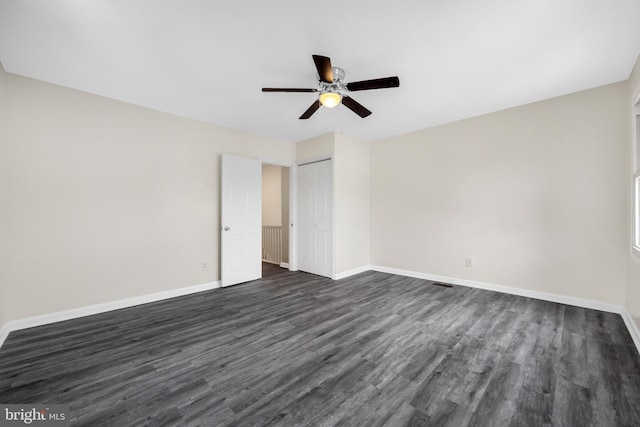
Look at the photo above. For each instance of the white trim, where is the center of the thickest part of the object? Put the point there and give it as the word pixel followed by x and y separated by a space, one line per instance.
pixel 75 313
pixel 293 206
pixel 293 218
pixel 284 265
pixel 632 327
pixel 546 296
pixel 351 272
pixel 334 216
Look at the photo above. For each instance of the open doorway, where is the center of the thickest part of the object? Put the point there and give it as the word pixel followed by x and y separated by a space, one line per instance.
pixel 275 218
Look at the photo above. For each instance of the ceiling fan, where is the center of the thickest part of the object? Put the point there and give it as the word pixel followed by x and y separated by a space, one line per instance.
pixel 334 90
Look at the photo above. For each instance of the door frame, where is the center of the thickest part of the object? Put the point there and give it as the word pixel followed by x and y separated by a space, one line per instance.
pixel 293 209
pixel 293 206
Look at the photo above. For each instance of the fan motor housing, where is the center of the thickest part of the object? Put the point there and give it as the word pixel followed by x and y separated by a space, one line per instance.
pixel 338 74
pixel 338 85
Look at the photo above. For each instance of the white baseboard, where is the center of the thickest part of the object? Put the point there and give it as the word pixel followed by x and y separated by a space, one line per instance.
pixel 284 265
pixel 352 272
pixel 546 296
pixel 74 313
pixel 632 327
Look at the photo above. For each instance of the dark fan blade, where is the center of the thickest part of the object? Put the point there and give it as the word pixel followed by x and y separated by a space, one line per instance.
pixel 354 106
pixel 314 107
pixel 374 84
pixel 323 65
pixel 278 89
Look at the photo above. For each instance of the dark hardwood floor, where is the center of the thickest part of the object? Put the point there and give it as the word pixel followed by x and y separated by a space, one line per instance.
pixel 297 349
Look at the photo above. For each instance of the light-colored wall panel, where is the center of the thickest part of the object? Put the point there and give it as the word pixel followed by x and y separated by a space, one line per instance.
pixel 108 200
pixel 271 195
pixel 352 197
pixel 535 195
pixel 315 148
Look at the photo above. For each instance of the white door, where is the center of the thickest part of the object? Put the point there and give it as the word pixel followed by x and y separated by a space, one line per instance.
pixel 241 217
pixel 315 218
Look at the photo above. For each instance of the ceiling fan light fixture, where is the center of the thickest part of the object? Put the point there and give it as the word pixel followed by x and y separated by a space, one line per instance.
pixel 330 99
pixel 333 90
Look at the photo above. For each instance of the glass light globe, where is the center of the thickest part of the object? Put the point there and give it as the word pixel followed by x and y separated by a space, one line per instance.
pixel 330 99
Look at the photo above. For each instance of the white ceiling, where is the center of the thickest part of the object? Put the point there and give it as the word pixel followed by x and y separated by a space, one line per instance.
pixel 208 60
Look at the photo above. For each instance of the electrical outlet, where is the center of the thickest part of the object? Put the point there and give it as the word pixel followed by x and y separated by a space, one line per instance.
pixel 469 262
pixel 204 266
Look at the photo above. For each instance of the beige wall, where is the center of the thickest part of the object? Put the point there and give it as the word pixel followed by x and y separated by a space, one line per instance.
pixel 535 195
pixel 271 195
pixel 108 200
pixel 4 114
pixel 315 148
pixel 632 260
pixel 351 201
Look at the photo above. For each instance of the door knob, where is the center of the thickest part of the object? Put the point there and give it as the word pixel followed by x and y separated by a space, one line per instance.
pixel 227 228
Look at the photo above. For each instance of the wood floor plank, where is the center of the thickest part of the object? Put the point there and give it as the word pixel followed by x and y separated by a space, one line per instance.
pixel 297 349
